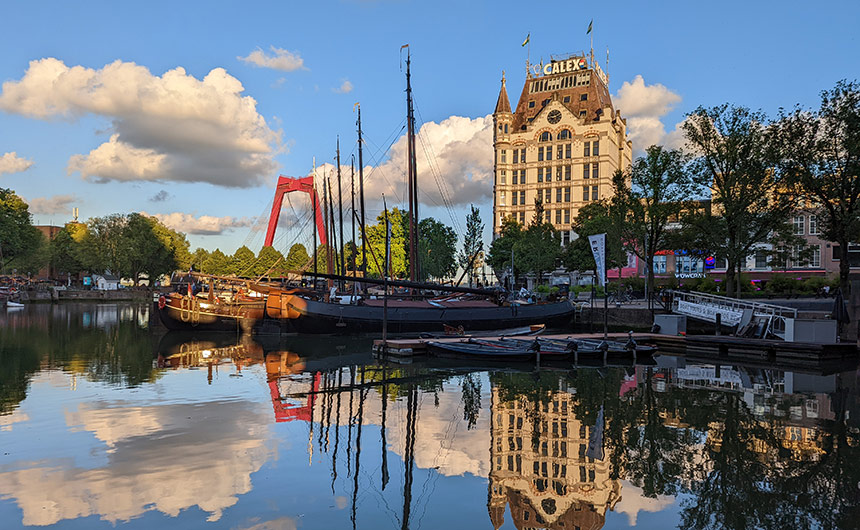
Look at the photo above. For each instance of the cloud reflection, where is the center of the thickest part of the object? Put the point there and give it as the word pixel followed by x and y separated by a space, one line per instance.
pixel 165 458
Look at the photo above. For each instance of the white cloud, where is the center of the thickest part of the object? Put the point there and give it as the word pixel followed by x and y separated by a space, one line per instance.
pixel 206 225
pixel 460 153
pixel 12 163
pixel 644 106
pixel 280 59
pixel 172 127
pixel 52 205
pixel 345 87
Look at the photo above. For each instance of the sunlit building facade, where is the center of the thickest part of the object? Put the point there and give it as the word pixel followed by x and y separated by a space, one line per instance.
pixel 562 144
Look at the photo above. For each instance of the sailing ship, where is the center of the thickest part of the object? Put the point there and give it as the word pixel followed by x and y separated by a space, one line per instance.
pixel 313 314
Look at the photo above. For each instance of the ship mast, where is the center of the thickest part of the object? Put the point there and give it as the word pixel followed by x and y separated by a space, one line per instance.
pixel 361 199
pixel 412 177
pixel 340 212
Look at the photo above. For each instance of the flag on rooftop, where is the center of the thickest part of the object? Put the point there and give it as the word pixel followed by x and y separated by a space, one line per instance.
pixel 589 26
pixel 529 36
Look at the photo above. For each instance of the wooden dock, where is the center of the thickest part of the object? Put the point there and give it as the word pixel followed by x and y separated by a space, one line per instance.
pixel 716 347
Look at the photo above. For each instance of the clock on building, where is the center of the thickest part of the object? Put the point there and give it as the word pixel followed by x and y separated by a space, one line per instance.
pixel 554 117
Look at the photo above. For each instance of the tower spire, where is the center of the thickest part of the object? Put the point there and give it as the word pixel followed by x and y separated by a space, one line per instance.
pixel 503 104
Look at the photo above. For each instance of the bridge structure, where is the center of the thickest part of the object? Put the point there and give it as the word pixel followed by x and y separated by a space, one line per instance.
pixel 767 318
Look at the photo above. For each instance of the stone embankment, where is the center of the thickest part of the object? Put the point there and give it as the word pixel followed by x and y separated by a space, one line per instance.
pixel 84 295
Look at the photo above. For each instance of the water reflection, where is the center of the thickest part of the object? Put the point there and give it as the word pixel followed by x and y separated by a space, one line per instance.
pixel 105 423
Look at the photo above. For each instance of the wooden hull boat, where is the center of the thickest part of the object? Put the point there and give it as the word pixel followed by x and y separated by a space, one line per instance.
pixel 311 316
pixel 182 312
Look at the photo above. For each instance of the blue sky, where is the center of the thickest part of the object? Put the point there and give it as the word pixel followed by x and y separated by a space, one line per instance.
pixel 215 149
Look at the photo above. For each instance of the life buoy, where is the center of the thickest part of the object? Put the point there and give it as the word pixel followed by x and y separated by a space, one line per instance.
pixel 162 301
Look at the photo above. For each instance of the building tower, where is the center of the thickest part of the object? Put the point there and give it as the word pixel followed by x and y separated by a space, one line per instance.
pixel 561 145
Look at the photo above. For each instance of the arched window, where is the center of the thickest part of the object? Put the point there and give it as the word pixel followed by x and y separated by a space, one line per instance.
pixel 564 135
pixel 545 137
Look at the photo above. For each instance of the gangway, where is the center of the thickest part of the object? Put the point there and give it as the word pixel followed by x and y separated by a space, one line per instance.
pixel 732 311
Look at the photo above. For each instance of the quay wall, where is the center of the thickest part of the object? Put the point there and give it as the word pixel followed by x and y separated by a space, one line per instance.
pixel 57 295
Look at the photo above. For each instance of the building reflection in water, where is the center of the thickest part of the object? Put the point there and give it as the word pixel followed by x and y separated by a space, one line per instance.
pixel 541 468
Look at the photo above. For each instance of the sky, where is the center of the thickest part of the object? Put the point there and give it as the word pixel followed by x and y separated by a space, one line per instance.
pixel 189 111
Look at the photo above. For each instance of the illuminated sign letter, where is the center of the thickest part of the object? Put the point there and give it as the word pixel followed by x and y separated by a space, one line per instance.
pixel 547 69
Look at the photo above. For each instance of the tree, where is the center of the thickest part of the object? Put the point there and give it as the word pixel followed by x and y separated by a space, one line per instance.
pixel 473 244
pixel 597 217
pixel 101 244
pixel 297 258
pixel 142 251
pixel 540 245
pixel 17 234
pixel 217 263
pixel 198 259
pixel 734 159
pixel 500 254
pixel 242 262
pixel 269 262
pixel 659 188
pixel 399 244
pixel 65 253
pixel 819 153
pixel 437 248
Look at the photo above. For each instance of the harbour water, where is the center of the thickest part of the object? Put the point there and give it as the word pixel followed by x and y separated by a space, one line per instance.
pixel 104 425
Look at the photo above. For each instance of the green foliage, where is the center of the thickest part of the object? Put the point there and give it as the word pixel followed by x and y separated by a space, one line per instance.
pixel 437 249
pixel 749 202
pixel 65 252
pixel 819 156
pixel 499 256
pixel 598 217
pixel 18 237
pixel 217 263
pixel 399 244
pixel 297 258
pixel 655 190
pixel 269 262
pixel 470 258
pixel 539 248
pixel 242 262
pixel 198 259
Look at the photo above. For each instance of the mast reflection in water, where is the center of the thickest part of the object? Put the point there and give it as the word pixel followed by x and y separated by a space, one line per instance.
pixel 102 425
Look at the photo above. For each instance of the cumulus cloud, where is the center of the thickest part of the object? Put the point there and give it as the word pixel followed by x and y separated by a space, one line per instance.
pixel 172 127
pixel 279 59
pixel 344 88
pixel 12 163
pixel 644 107
pixel 460 161
pixel 161 196
pixel 52 205
pixel 206 225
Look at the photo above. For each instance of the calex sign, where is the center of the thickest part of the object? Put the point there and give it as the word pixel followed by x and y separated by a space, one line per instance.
pixel 561 67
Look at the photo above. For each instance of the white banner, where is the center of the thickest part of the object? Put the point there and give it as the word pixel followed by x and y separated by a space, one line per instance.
pixel 728 317
pixel 598 248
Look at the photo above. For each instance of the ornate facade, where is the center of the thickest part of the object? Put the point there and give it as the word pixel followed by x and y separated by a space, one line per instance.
pixel 561 145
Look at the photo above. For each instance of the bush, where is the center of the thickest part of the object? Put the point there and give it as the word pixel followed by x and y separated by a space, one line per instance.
pixel 782 284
